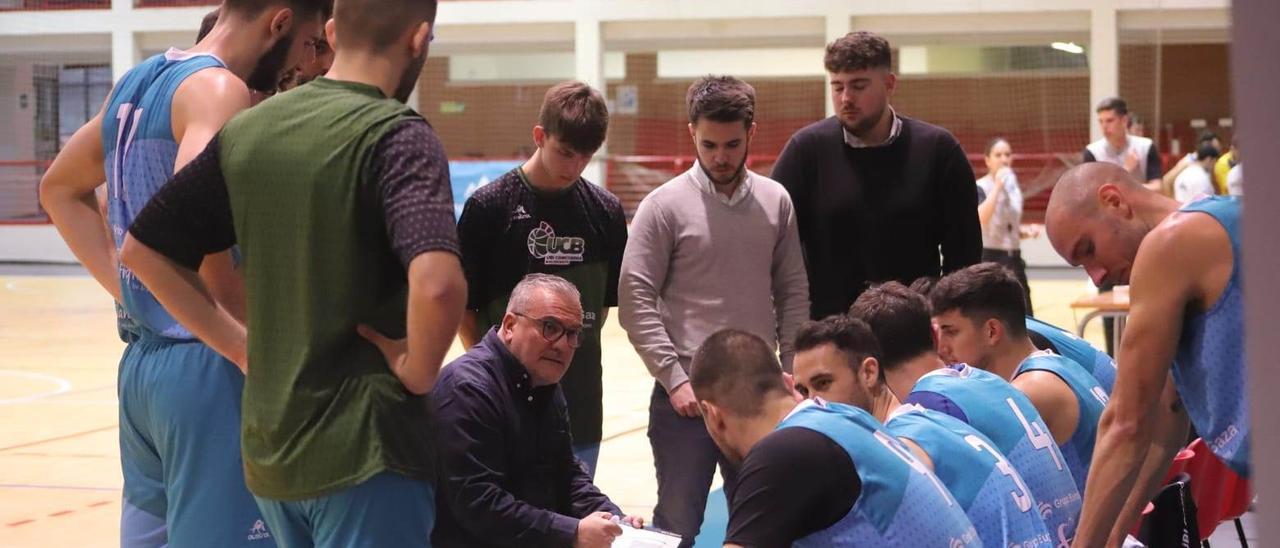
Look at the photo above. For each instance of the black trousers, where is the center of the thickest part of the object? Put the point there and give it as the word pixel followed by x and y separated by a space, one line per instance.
pixel 1013 261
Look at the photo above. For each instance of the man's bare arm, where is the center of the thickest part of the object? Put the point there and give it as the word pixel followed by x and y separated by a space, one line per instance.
pixel 468 332
pixel 1163 283
pixel 1054 400
pixel 437 295
pixel 201 106
pixel 67 195
pixel 181 291
pixel 1170 435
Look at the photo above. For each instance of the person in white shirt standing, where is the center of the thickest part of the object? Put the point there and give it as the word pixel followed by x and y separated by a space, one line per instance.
pixel 1137 155
pixel 1196 180
pixel 716 247
pixel 1000 213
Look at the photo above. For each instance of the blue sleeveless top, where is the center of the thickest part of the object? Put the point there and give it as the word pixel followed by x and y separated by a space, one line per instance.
pixel 901 503
pixel 982 480
pixel 1001 412
pixel 1091 400
pixel 140 152
pixel 1209 367
pixel 1068 345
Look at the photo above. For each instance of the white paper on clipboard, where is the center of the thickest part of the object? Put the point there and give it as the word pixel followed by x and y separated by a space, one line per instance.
pixel 645 538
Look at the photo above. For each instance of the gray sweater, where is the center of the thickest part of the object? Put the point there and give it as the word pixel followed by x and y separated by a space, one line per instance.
pixel 697 262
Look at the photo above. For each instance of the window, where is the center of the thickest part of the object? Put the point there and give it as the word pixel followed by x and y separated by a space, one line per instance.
pixel 81 92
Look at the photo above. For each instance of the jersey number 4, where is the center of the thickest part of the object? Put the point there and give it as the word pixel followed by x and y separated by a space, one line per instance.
pixel 1037 433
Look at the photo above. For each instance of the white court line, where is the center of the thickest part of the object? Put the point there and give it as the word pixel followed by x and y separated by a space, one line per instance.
pixel 62 384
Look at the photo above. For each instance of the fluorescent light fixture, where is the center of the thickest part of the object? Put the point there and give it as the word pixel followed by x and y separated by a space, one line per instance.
pixel 1069 47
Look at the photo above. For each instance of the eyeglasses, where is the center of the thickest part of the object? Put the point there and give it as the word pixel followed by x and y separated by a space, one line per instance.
pixel 315 48
pixel 553 330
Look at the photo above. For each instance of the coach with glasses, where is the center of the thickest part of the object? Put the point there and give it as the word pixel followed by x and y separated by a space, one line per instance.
pixel 507 475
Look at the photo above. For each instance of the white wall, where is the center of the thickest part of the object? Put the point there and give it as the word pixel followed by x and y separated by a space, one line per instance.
pixel 497 26
pixel 33 243
pixel 18 139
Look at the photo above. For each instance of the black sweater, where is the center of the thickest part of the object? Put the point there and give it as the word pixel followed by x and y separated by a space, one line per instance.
pixel 877 214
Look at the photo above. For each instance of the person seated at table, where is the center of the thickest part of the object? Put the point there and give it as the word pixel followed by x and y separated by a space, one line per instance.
pixel 507 475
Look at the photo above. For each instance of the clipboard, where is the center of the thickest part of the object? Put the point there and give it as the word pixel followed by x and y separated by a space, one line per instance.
pixel 645 538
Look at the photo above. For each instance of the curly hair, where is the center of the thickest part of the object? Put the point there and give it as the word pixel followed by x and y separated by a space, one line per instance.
pixel 858 50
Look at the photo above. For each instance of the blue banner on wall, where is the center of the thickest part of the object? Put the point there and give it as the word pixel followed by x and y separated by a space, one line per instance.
pixel 467 176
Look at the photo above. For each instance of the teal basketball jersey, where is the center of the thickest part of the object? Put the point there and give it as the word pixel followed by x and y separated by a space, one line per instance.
pixel 981 479
pixel 1004 414
pixel 901 503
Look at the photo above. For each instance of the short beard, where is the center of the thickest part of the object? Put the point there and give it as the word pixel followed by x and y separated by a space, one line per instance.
pixel 409 79
pixel 268 71
pixel 737 173
pixel 864 126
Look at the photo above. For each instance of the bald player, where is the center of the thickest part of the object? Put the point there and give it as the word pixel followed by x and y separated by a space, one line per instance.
pixel 813 474
pixel 837 360
pixel 899 317
pixel 1186 295
pixel 179 400
pixel 337 194
pixel 980 312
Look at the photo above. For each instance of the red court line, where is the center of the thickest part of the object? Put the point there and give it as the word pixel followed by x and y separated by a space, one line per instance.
pixel 58 514
pixel 60 438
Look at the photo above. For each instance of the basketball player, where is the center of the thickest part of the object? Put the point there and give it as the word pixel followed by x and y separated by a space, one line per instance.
pixel 981 314
pixel 179 400
pixel 899 317
pixel 1102 368
pixel 1186 309
pixel 544 217
pixel 1050 337
pixel 334 191
pixel 1047 336
pixel 813 474
pixel 837 360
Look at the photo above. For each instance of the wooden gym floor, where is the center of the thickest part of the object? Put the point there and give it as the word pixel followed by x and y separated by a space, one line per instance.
pixel 59 459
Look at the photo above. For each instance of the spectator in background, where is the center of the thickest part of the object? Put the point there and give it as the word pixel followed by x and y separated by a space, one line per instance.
pixel 876 193
pixel 1229 159
pixel 1137 126
pixel 1206 138
pixel 1195 180
pixel 1235 177
pixel 1000 213
pixel 1137 155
